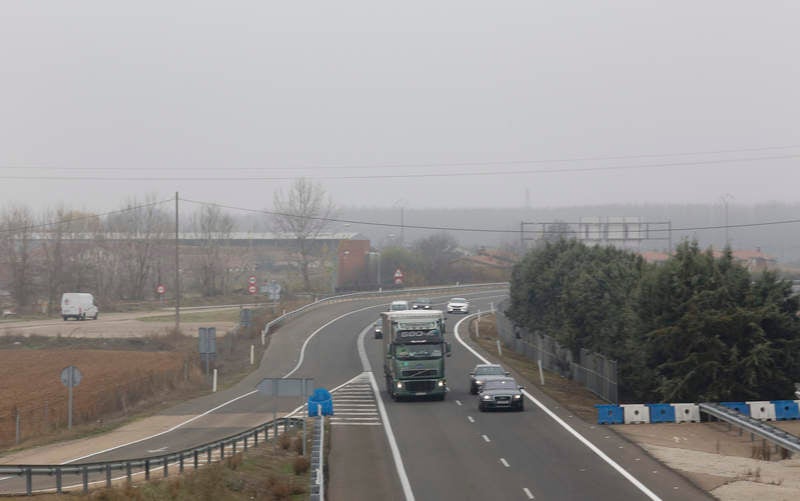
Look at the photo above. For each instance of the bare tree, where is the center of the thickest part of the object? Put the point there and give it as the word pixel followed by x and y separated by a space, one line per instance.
pixel 16 253
pixel 139 231
pixel 303 212
pixel 212 227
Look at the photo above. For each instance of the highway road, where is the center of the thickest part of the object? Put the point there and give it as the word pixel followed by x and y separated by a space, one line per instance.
pixel 421 449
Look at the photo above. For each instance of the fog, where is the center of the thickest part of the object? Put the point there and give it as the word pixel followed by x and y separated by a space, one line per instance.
pixel 417 104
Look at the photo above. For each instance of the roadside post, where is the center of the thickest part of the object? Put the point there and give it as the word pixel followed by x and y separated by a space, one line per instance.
pixel 70 376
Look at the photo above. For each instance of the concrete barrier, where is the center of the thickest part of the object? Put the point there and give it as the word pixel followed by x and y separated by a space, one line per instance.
pixel 786 409
pixel 609 414
pixel 762 410
pixel 686 413
pixel 661 413
pixel 740 407
pixel 636 413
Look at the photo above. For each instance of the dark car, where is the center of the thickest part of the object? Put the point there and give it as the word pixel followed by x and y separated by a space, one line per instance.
pixel 422 303
pixel 378 330
pixel 485 372
pixel 502 393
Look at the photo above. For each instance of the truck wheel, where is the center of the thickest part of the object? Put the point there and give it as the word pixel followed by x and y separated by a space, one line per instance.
pixel 96 315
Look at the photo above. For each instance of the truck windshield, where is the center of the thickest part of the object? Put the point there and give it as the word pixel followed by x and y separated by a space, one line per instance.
pixel 417 351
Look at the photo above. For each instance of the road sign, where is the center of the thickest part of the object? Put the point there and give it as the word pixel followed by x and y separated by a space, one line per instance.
pixel 161 289
pixel 252 289
pixel 251 280
pixel 274 290
pixel 71 376
pixel 398 277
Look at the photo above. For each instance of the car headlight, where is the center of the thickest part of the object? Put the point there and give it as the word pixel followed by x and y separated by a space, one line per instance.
pixel 517 397
pixel 478 382
pixel 486 397
pixel 440 383
pixel 399 384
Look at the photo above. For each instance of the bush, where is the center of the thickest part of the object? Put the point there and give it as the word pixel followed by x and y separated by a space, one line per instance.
pixel 301 465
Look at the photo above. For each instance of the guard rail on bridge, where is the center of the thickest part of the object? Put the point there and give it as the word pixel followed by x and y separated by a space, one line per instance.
pixel 195 456
pixel 754 426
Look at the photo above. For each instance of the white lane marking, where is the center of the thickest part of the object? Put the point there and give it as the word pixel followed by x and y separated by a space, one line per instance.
pixel 458 403
pixel 528 493
pixel 311 336
pixel 505 463
pixel 387 426
pixel 485 438
pixel 157 450
pixel 470 419
pixel 622 471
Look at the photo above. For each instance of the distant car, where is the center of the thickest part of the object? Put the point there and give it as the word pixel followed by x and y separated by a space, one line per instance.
pixel 9 314
pixel 458 305
pixel 483 373
pixel 399 306
pixel 421 303
pixel 378 330
pixel 502 393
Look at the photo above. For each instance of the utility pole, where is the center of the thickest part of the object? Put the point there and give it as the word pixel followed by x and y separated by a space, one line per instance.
pixel 177 270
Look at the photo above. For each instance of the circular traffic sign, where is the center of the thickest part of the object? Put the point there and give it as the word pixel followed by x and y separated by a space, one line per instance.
pixel 251 289
pixel 251 280
pixel 161 289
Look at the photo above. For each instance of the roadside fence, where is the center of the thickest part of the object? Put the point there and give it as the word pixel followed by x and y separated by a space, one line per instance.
pixel 592 370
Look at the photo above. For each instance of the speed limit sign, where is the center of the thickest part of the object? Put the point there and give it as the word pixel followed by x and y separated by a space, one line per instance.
pixel 251 289
pixel 251 280
pixel 161 289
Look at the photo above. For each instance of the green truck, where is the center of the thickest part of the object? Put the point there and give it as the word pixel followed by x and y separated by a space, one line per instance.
pixel 415 349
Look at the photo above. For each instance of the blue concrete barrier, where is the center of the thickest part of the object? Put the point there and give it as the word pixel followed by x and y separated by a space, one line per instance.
pixel 741 407
pixel 661 413
pixel 786 409
pixel 609 414
pixel 320 400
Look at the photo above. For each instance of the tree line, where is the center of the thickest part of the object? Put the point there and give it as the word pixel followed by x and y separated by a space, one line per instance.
pixel 694 328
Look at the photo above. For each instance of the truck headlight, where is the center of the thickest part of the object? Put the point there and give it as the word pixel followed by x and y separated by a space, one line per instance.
pixel 478 382
pixel 399 384
pixel 440 383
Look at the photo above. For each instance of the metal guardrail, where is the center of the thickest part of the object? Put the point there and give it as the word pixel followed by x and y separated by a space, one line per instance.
pixel 754 426
pixel 368 294
pixel 318 460
pixel 195 456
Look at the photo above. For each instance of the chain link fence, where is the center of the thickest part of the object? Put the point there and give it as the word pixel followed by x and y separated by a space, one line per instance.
pixel 592 370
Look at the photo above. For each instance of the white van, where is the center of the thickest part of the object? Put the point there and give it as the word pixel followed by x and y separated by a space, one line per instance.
pixel 78 305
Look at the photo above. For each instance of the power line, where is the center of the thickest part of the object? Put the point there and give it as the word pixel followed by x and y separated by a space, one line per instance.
pixel 413 165
pixel 414 176
pixel 479 230
pixel 82 218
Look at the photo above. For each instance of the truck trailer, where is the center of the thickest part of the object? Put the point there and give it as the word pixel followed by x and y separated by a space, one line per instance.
pixel 414 350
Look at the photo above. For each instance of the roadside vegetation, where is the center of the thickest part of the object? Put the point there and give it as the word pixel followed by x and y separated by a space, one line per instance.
pixel 694 328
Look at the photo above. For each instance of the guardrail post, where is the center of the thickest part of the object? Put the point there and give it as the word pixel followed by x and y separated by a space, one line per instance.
pixel 166 466
pixel 28 480
pixel 245 442
pixel 58 480
pixel 255 438
pixel 147 469
pixel 208 455
pixel 85 474
pixel 108 475
pixel 128 472
pixel 180 463
pixel 233 452
pixel 222 451
pixel 196 459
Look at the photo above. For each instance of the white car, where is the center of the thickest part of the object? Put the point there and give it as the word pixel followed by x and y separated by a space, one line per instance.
pixel 458 305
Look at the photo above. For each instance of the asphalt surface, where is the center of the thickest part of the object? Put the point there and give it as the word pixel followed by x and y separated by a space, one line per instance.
pixel 448 450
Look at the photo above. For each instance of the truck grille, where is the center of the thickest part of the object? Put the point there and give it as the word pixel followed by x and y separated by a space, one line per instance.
pixel 420 373
pixel 419 385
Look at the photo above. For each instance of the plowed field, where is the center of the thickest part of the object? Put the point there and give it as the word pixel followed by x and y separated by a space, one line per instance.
pixel 30 385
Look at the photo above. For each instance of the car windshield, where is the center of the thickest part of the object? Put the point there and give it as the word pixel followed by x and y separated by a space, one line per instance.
pixel 503 384
pixel 458 300
pixel 417 351
pixel 398 306
pixel 423 301
pixel 490 370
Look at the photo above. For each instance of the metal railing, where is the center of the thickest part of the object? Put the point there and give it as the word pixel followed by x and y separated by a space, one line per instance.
pixel 366 295
pixel 318 460
pixel 754 426
pixel 102 471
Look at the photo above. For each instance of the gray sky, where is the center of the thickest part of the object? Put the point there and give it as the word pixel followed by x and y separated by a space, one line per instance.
pixel 201 89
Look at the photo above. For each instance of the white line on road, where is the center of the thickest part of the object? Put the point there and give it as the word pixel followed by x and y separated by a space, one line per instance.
pixel 622 471
pixel 458 402
pixel 470 419
pixel 528 493
pixel 505 463
pixel 485 438
pixel 387 427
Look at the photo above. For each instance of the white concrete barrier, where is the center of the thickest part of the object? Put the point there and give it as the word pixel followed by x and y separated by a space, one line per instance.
pixel 687 413
pixel 635 413
pixel 762 410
